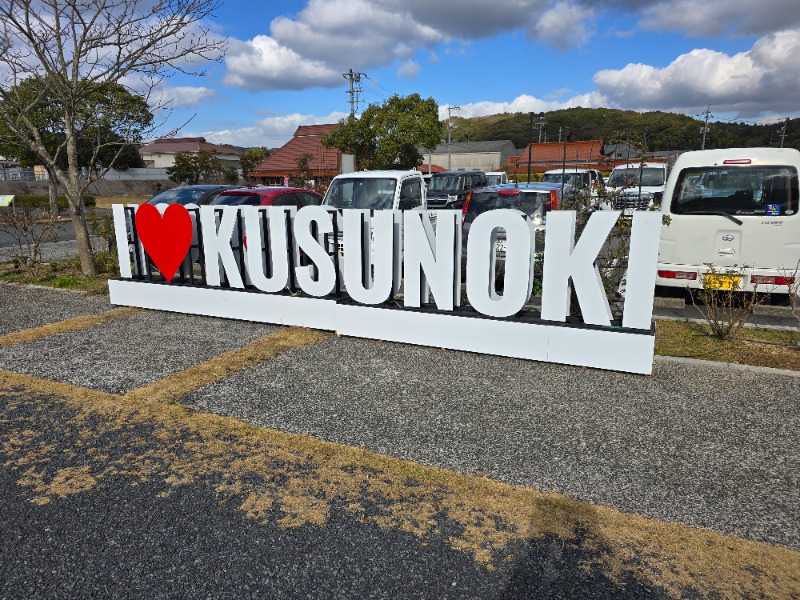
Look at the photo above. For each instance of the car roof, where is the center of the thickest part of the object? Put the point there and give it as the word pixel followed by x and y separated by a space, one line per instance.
pixel 265 189
pixel 378 174
pixel 568 170
pixel 644 164
pixel 533 186
pixel 458 172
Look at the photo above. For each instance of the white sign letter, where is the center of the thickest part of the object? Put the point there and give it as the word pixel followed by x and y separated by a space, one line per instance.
pixel 360 255
pixel 563 259
pixel 217 246
pixel 314 247
pixel 640 281
pixel 432 271
pixel 481 259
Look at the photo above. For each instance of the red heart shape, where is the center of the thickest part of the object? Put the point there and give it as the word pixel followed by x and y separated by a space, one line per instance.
pixel 165 238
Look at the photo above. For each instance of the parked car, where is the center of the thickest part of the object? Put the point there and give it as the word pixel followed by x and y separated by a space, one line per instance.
pixel 190 194
pixel 635 186
pixel 496 177
pixel 577 178
pixel 736 209
pixel 535 199
pixel 449 189
pixel 268 196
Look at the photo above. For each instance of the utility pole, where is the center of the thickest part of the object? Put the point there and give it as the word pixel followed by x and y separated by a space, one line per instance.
pixel 355 88
pixel 704 128
pixel 449 111
pixel 530 146
pixel 783 131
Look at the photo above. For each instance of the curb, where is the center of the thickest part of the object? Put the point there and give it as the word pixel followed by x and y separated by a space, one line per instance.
pixel 725 365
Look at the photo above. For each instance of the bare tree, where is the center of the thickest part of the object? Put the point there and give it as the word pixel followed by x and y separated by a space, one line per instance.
pixel 79 49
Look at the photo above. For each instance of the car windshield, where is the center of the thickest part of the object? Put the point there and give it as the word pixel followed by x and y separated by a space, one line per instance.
pixel 759 191
pixel 361 192
pixel 573 179
pixel 178 195
pixel 526 201
pixel 237 200
pixel 622 177
pixel 446 183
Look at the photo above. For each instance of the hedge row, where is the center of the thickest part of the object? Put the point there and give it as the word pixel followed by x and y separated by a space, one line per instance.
pixel 42 201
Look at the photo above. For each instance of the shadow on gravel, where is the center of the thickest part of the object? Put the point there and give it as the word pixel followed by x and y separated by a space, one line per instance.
pixel 551 567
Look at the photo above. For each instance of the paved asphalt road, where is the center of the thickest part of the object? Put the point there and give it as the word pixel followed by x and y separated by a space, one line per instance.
pixel 346 468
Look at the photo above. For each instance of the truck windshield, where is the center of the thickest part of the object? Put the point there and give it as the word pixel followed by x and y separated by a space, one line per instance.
pixel 759 191
pixel 446 183
pixel 574 179
pixel 622 177
pixel 361 192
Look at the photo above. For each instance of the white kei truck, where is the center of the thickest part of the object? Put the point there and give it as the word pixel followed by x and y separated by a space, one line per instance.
pixel 737 210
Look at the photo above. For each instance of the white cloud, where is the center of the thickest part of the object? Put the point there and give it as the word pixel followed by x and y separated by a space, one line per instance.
pixel 525 103
pixel 765 78
pixel 409 70
pixel 328 37
pixel 565 25
pixel 181 96
pixel 272 131
pixel 742 17
pixel 263 64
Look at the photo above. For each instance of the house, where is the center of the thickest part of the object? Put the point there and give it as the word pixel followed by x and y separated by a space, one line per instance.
pixel 161 153
pixel 485 156
pixel 324 163
pixel 545 156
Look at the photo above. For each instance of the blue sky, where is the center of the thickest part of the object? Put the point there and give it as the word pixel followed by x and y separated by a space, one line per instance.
pixel 285 60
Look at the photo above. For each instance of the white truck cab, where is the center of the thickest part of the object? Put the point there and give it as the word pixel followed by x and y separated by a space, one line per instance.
pixel 400 190
pixel 635 186
pixel 736 209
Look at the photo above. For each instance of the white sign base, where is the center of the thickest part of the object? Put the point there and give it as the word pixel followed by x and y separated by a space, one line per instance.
pixel 598 347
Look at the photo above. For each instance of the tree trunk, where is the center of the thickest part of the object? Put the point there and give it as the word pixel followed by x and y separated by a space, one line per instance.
pixel 52 188
pixel 72 189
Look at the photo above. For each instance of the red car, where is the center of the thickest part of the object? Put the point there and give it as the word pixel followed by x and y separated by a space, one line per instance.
pixel 268 196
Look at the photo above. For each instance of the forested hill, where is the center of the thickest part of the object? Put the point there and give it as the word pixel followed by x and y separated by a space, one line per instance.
pixel 657 131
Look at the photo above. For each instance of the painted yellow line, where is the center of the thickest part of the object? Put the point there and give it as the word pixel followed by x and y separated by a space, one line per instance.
pixel 74 324
pixel 57 444
pixel 174 387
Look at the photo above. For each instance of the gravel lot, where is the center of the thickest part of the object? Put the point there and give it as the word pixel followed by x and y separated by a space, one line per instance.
pixel 670 446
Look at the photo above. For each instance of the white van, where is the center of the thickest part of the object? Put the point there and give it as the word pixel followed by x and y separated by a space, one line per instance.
pixel 635 186
pixel 736 209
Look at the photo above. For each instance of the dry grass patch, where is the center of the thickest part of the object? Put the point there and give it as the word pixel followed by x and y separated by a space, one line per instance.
pixel 74 324
pixel 757 347
pixel 106 202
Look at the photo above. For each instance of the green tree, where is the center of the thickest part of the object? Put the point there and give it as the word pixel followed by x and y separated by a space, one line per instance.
pixel 197 167
pixel 389 135
pixel 78 51
pixel 304 171
pixel 186 168
pixel 250 159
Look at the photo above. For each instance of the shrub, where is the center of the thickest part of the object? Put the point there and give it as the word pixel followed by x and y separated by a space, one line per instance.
pixel 42 201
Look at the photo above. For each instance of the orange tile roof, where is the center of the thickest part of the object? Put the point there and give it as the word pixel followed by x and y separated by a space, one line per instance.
pixel 307 140
pixel 552 152
pixel 550 155
pixel 193 144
